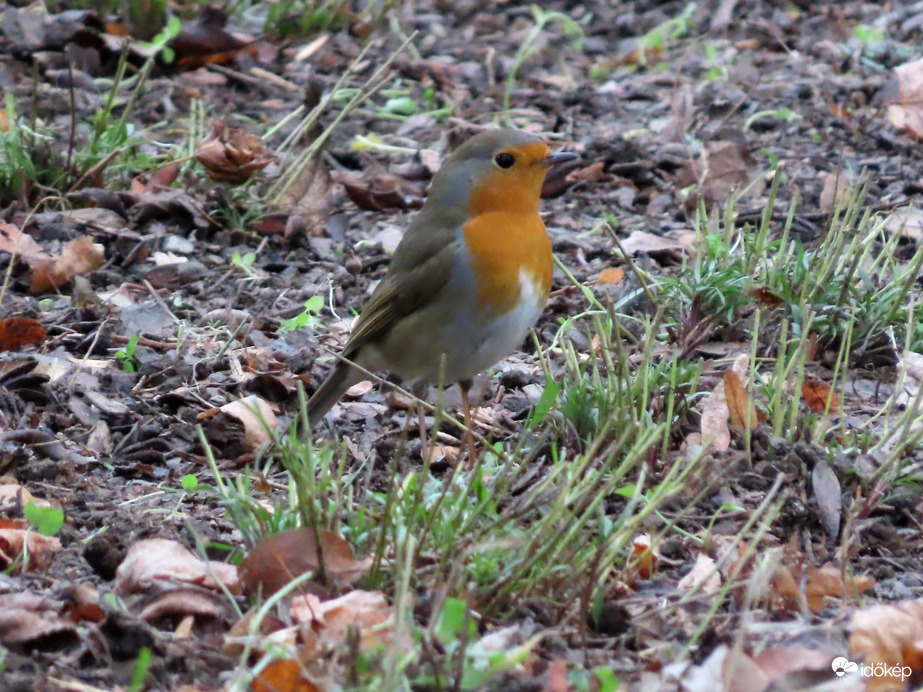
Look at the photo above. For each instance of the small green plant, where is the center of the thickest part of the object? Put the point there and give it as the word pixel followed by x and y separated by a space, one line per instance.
pixel 785 115
pixel 48 520
pixel 29 157
pixel 298 18
pixel 527 48
pixel 244 262
pixel 306 318
pixel 660 36
pixel 127 354
pixel 868 34
pixel 142 667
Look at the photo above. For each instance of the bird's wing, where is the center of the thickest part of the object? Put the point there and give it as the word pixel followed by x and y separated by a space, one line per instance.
pixel 415 275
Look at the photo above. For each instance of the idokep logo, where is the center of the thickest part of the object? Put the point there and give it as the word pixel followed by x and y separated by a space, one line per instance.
pixel 842 666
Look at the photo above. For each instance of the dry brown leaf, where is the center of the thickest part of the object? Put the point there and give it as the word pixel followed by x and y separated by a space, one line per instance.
pixel 837 189
pixel 766 296
pixel 611 275
pixel 258 419
pixel 703 575
pixel 817 394
pixel 905 109
pixel 285 675
pixel 888 635
pixel 16 534
pixel 646 555
pixel 165 562
pixel 906 222
pixel 741 411
pixel 232 155
pixel 15 242
pixel 715 434
pixel 78 257
pixel 16 332
pixel 331 621
pixel 648 243
pixel 280 557
pixel 828 581
pixel 182 602
pixel 724 166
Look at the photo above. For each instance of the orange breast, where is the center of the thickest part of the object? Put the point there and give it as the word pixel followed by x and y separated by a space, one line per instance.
pixel 502 246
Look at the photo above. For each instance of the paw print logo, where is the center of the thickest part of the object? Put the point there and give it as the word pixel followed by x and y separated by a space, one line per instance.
pixel 841 666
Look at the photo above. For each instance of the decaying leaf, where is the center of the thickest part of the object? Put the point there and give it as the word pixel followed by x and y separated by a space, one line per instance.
pixel 704 575
pixel 890 635
pixel 723 167
pixel 818 396
pixel 165 562
pixel 78 256
pixel 231 155
pixel 331 621
pixel 611 275
pixel 741 411
pixel 715 434
pixel 281 557
pixel 837 189
pixel 16 332
pixel 258 419
pixel 646 554
pixel 284 675
pixel 905 105
pixel 15 535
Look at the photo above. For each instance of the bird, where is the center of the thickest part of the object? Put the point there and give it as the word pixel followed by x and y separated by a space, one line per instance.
pixel 468 280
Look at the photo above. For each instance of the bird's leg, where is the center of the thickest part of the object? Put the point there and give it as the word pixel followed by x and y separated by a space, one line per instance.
pixel 426 449
pixel 465 386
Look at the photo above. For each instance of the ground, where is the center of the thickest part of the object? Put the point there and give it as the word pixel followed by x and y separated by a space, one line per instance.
pixel 703 469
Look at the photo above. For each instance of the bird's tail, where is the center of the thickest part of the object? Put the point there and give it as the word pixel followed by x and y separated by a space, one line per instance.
pixel 338 381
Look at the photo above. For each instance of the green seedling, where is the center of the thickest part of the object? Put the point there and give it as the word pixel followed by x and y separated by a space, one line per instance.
pixel 306 318
pixel 127 354
pixel 48 520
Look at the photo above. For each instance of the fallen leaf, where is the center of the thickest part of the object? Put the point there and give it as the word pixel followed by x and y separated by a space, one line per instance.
pixel 20 244
pixel 905 107
pixel 331 621
pixel 648 243
pixel 766 296
pixel 906 222
pixel 231 155
pixel 703 575
pixel 741 411
pixel 837 189
pixel 16 332
pixel 15 535
pixel 888 635
pixel 611 275
pixel 646 555
pixel 165 562
pixel 78 256
pixel 715 410
pixel 285 675
pixel 258 419
pixel 723 167
pixel 818 394
pixel 280 557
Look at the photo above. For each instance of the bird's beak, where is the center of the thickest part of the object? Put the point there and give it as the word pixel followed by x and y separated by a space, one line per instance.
pixel 559 158
pixel 559 164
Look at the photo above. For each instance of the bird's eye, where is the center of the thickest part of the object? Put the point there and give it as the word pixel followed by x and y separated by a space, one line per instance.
pixel 504 160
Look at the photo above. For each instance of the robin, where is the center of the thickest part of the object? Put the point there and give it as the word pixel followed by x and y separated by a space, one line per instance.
pixel 469 278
